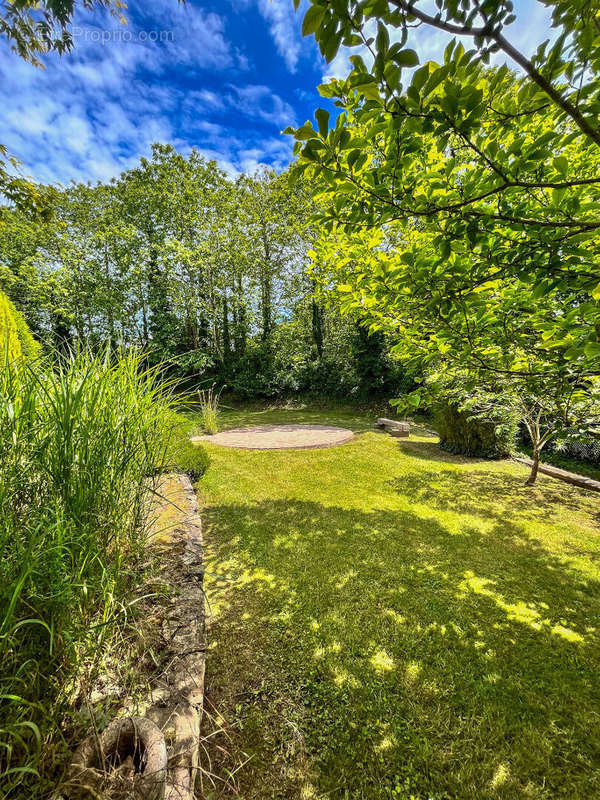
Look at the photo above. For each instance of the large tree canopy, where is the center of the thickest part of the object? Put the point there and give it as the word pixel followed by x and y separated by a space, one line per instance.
pixel 205 272
pixel 480 185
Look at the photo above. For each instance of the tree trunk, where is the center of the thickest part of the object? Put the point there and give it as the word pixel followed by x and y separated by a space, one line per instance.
pixel 317 328
pixel 534 467
pixel 240 319
pixel 111 319
pixel 144 315
pixel 266 304
pixel 226 335
pixel 266 286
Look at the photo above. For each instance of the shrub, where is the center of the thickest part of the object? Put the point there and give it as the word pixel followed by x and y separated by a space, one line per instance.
pixel 583 448
pixel 209 408
pixel 193 459
pixel 462 433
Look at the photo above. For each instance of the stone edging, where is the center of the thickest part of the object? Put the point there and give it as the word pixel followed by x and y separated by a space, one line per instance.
pixel 172 714
pixel 184 629
pixel 564 475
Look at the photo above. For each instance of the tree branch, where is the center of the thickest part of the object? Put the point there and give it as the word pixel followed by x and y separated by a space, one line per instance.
pixel 487 31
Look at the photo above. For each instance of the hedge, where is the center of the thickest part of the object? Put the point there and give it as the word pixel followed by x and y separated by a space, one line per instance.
pixel 462 434
pixel 15 337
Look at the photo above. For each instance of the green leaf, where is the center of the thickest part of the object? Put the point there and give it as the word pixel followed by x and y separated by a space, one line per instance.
pixel 406 58
pixel 330 46
pixel 592 349
pixel 383 39
pixel 305 132
pixel 312 20
pixel 539 291
pixel 561 165
pixel 322 117
pixel 368 89
pixel 434 80
pixel 420 78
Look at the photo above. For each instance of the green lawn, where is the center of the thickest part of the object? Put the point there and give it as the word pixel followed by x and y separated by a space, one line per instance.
pixel 394 622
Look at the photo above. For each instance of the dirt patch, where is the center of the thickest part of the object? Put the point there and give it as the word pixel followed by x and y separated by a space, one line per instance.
pixel 280 437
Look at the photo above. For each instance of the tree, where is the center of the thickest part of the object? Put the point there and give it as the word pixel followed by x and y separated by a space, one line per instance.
pixel 551 407
pixel 476 175
pixel 16 341
pixel 499 340
pixel 175 205
pixel 462 204
pixel 34 28
pixel 274 217
pixel 206 273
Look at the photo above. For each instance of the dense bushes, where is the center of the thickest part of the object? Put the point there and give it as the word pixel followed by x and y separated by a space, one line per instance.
pixel 352 365
pixel 462 433
pixel 77 444
pixel 585 449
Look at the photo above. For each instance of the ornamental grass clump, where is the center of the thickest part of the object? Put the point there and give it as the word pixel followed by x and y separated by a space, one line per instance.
pixel 78 440
pixel 209 408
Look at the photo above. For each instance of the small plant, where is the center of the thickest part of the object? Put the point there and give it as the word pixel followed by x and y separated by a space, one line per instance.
pixel 209 408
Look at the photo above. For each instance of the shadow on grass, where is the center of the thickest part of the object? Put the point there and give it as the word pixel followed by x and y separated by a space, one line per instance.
pixel 378 655
pixel 431 451
pixel 471 491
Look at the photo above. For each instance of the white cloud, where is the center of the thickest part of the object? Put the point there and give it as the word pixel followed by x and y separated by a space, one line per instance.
pixel 262 103
pixel 340 66
pixel 284 27
pixel 202 101
pixel 186 34
pixel 94 112
pixel 91 114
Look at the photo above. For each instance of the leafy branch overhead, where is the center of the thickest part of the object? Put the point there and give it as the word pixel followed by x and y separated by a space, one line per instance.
pixel 481 181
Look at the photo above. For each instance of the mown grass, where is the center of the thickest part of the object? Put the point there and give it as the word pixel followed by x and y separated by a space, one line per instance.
pixel 390 621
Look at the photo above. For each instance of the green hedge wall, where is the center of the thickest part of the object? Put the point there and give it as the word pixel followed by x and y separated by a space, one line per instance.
pixel 461 434
pixel 15 337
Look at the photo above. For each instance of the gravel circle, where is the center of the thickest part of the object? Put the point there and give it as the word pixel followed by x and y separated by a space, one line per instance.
pixel 280 437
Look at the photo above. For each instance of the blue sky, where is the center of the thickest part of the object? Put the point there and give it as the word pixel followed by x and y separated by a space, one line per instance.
pixel 225 76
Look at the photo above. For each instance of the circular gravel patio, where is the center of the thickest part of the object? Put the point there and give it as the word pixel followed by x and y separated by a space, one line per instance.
pixel 280 437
